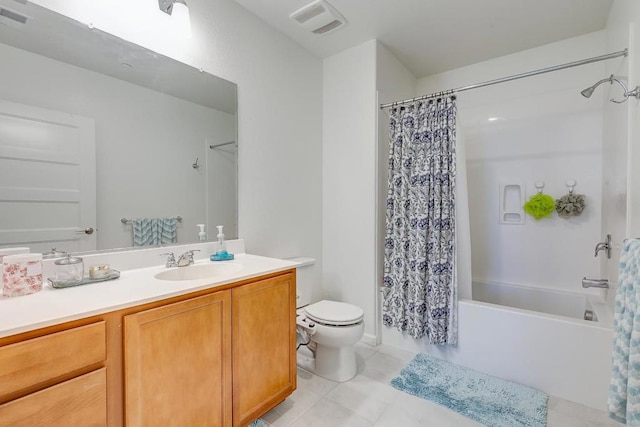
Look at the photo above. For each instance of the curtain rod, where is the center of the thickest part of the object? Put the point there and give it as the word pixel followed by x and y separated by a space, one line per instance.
pixel 513 77
pixel 212 146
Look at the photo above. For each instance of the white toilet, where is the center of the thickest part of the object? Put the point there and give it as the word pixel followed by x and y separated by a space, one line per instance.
pixel 331 330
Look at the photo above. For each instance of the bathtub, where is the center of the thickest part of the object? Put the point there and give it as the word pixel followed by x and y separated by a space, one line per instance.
pixel 539 337
pixel 533 336
pixel 574 305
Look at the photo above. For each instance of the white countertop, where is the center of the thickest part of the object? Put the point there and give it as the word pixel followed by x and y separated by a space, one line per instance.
pixel 134 287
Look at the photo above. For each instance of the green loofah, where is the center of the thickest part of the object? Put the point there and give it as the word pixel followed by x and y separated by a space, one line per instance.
pixel 570 205
pixel 540 206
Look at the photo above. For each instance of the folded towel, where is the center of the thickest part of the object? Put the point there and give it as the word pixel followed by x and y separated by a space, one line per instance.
pixel 154 231
pixel 624 391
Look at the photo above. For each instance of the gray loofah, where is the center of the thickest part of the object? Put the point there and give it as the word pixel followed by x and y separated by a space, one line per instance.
pixel 570 205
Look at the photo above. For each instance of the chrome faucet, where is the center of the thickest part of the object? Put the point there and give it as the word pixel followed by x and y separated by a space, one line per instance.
pixel 186 258
pixel 595 283
pixel 604 246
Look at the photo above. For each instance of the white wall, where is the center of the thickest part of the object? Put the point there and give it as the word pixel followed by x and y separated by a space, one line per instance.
pixel 393 82
pixel 146 142
pixel 279 110
pixel 615 148
pixel 349 179
pixel 355 157
pixel 623 28
pixel 546 131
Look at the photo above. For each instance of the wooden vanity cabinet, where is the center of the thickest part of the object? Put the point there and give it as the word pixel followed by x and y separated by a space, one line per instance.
pixel 221 359
pixel 217 357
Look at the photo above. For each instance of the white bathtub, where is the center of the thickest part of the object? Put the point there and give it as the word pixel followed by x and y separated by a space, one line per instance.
pixel 532 336
pixel 539 337
pixel 549 301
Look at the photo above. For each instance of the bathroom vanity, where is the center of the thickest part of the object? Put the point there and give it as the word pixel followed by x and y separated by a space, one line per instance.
pixel 210 352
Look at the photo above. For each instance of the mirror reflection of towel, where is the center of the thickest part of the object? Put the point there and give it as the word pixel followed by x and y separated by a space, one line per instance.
pixel 154 231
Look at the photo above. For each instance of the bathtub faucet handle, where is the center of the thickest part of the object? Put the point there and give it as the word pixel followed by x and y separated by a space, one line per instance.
pixel 604 246
pixel 595 283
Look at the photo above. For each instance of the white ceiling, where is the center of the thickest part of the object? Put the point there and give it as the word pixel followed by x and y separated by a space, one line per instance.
pixel 432 36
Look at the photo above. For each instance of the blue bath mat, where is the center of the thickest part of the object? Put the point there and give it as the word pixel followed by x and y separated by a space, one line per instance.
pixel 258 423
pixel 489 400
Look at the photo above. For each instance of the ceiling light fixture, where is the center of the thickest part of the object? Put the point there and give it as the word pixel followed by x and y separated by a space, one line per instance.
pixel 179 12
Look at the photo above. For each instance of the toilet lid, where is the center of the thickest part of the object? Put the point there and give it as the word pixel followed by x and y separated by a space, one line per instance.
pixel 334 313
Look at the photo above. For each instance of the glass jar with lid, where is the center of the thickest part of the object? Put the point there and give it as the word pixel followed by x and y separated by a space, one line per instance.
pixel 69 270
pixel 54 253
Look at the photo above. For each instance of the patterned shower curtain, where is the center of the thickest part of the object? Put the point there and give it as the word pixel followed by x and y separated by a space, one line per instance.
pixel 419 287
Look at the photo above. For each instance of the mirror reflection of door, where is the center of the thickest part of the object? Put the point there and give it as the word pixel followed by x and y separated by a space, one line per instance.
pixel 47 179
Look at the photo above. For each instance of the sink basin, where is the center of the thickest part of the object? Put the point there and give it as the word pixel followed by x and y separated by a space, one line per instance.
pixel 195 272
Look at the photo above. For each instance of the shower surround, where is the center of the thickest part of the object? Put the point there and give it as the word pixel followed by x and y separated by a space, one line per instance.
pixel 521 132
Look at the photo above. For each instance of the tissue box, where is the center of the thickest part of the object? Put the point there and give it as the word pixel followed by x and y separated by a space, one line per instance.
pixel 21 274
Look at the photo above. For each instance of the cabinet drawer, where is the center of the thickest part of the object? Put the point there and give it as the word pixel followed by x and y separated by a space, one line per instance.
pixel 81 401
pixel 31 362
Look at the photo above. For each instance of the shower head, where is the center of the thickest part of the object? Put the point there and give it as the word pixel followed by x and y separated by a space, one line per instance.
pixel 589 91
pixel 611 79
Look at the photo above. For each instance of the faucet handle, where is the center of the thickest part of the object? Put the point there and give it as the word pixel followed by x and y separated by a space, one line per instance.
pixel 604 246
pixel 171 259
pixel 187 258
pixel 190 252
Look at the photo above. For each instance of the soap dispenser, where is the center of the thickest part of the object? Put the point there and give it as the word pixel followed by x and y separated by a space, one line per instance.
pixel 221 252
pixel 202 235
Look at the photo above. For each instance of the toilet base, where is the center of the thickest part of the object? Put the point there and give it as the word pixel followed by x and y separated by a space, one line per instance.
pixel 305 359
pixel 333 363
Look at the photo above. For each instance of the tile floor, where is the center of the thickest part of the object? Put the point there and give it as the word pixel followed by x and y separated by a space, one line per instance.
pixel 369 401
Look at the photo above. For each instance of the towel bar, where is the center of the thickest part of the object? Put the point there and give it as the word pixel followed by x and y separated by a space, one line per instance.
pixel 129 221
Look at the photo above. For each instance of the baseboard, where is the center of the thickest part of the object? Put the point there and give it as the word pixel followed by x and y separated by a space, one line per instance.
pixel 369 339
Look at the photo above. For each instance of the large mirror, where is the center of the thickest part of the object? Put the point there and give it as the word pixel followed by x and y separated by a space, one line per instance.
pixel 96 132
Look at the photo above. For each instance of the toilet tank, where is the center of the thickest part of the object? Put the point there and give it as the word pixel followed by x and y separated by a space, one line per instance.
pixel 304 280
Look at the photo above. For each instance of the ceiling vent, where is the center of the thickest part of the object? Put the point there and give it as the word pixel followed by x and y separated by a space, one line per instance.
pixel 318 17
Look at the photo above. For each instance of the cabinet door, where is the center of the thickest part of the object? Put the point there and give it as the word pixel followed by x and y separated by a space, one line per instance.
pixel 263 343
pixel 81 401
pixel 178 365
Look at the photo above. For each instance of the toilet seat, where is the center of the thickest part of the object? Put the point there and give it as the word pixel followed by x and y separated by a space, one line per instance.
pixel 333 313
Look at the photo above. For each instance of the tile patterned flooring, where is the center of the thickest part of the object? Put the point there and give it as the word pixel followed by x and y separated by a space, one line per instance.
pixel 369 401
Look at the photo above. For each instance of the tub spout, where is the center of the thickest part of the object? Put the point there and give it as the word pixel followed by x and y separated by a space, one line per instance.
pixel 595 283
